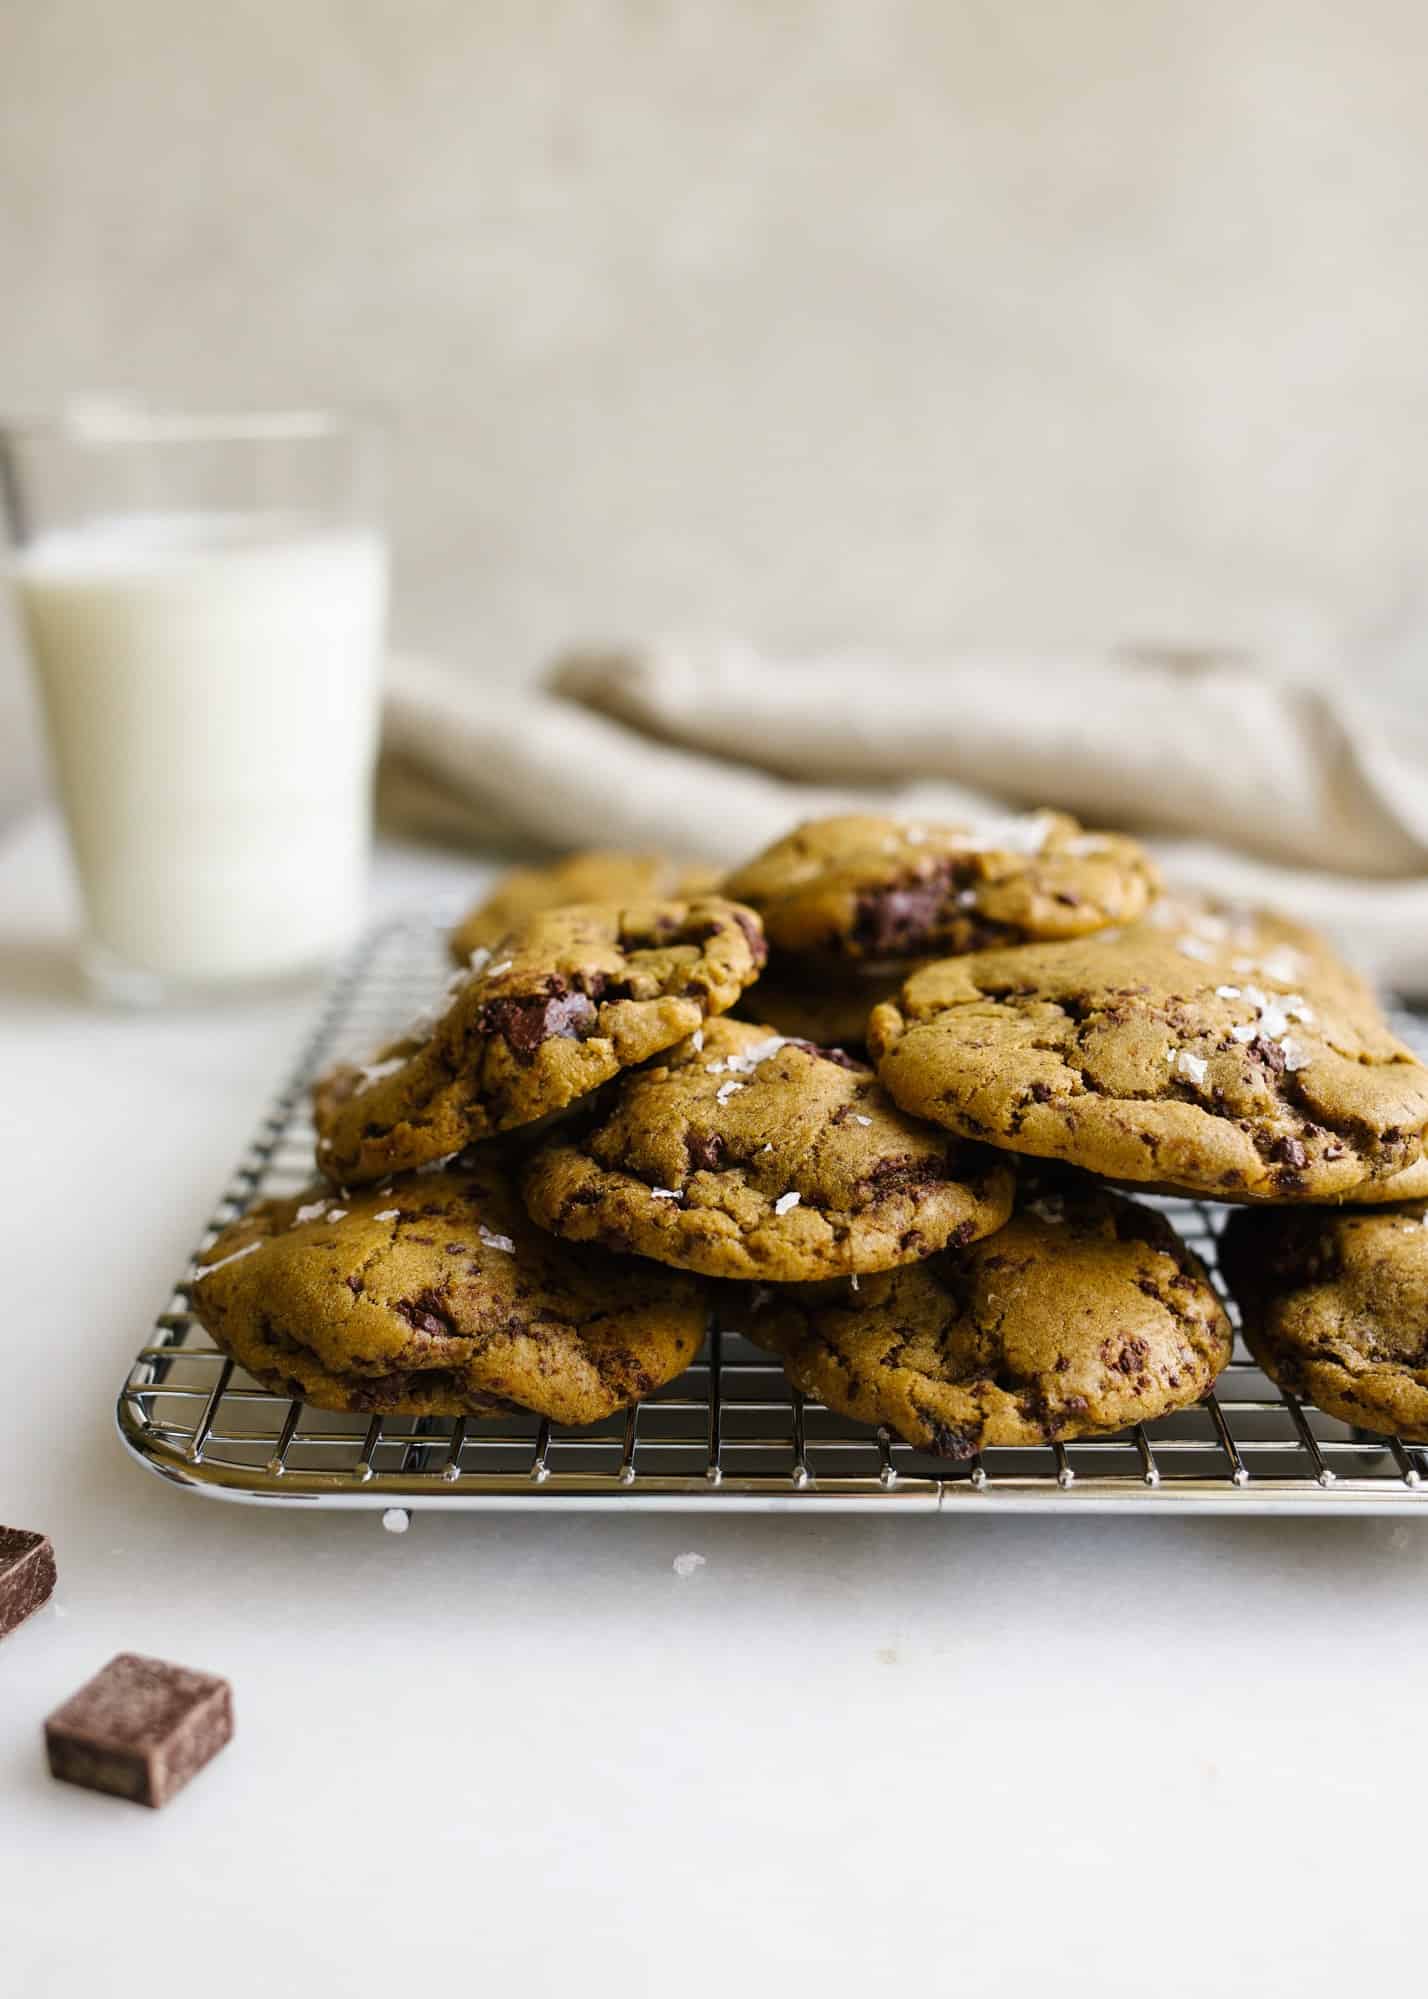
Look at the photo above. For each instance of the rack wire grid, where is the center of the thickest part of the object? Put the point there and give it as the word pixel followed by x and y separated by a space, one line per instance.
pixel 731 1432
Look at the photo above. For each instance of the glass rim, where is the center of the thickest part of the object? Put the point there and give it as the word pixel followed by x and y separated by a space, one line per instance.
pixel 98 422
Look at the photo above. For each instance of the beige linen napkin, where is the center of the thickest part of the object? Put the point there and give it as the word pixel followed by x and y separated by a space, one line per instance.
pixel 1308 797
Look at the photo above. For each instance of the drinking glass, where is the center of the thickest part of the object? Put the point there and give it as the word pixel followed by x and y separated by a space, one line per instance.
pixel 204 599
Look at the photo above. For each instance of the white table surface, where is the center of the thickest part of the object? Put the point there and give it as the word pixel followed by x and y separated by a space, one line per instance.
pixel 950 1755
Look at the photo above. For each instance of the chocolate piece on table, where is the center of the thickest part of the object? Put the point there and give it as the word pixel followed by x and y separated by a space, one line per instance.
pixel 27 1575
pixel 139 1729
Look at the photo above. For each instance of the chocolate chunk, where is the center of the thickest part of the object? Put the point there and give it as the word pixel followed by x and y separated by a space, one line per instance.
pixel 527 1023
pixel 905 1176
pixel 1269 1053
pixel 705 1151
pixel 425 1314
pixel 27 1575
pixel 139 1729
pixel 893 922
pixel 1291 1152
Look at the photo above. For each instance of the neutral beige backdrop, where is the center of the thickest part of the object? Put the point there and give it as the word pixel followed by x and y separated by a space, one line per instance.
pixel 913 323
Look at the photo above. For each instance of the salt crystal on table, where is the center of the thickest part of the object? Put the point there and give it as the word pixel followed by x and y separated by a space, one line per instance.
pixel 685 1565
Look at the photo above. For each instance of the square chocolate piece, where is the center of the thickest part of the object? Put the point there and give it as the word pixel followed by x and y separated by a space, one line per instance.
pixel 27 1575
pixel 139 1729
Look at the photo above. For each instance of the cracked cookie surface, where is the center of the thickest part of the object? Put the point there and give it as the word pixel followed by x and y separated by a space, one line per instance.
pixel 860 887
pixel 594 875
pixel 1149 1057
pixel 576 995
pixel 750 1156
pixel 1084 1314
pixel 436 1296
pixel 1335 1308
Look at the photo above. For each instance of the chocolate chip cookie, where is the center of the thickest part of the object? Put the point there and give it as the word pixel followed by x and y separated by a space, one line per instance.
pixel 436 1296
pixel 1335 1308
pixel 742 1154
pixel 866 888
pixel 597 875
pixel 1142 1059
pixel 577 994
pixel 1084 1314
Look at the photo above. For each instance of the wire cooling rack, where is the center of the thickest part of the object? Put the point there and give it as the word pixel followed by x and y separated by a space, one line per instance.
pixel 730 1433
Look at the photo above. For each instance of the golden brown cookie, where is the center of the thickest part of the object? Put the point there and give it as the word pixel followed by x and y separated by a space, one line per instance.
pixel 576 995
pixel 1084 1314
pixel 435 1296
pixel 1142 1058
pixel 1335 1308
pixel 596 875
pixel 742 1154
pixel 860 887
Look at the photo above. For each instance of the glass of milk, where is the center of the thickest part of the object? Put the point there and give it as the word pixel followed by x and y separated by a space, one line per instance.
pixel 204 600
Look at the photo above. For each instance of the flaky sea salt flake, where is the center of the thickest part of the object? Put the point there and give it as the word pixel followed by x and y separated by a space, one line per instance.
pixel 786 1202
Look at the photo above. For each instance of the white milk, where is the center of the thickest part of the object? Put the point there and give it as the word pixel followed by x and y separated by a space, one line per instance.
pixel 211 686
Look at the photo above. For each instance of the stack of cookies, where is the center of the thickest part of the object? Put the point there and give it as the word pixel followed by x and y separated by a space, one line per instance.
pixel 874 1099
